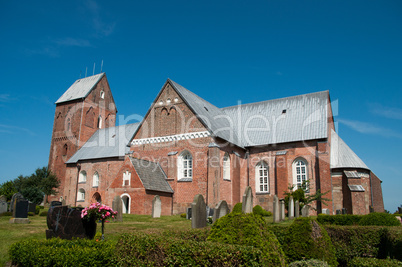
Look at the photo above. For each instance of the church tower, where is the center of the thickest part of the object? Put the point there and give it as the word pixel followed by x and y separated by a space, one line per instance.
pixel 86 106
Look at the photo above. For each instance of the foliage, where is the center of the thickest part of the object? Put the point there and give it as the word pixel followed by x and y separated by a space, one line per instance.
pixel 380 219
pixel 8 189
pixel 309 263
pixel 7 213
pixel 306 239
pixel 97 211
pixel 37 209
pixel 302 197
pixel 258 210
pixel 373 262
pixel 183 215
pixel 43 213
pixel 33 194
pixel 238 208
pixel 138 249
pixel 31 214
pixel 251 230
pixel 58 252
pixel 345 219
pixel 199 235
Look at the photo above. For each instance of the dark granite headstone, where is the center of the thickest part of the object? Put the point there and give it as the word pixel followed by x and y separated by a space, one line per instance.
pixel 14 199
pixel 338 212
pixel 31 207
pixel 188 213
pixel 66 223
pixel 400 210
pixel 55 203
pixel 20 209
pixel 344 211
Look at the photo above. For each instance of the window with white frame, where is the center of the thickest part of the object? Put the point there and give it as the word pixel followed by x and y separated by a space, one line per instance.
pixel 81 195
pixel 82 177
pixel 102 94
pixel 300 174
pixel 262 177
pixel 100 122
pixel 185 166
pixel 226 166
pixel 126 178
pixel 95 179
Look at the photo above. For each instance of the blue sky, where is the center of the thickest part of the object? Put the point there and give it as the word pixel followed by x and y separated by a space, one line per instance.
pixel 224 51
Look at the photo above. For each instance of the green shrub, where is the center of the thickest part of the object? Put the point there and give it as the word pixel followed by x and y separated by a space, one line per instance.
pixel 306 239
pixel 250 230
pixel 43 213
pixel 309 263
pixel 238 208
pixel 279 231
pixel 183 215
pixel 346 219
pixel 7 213
pixel 58 252
pixel 373 262
pixel 258 210
pixel 380 219
pixel 31 214
pixel 394 243
pixel 41 207
pixel 140 249
pixel 37 209
pixel 199 235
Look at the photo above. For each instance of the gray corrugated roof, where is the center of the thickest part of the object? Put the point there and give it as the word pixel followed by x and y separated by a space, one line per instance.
pixel 290 119
pixel 352 174
pixel 342 156
pixel 152 176
pixel 216 121
pixel 106 143
pixel 80 88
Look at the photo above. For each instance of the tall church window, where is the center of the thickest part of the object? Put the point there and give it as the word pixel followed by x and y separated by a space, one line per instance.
pixel 102 94
pixel 82 177
pixel 226 166
pixel 185 166
pixel 262 177
pixel 81 195
pixel 126 178
pixel 300 174
pixel 100 122
pixel 95 179
pixel 65 149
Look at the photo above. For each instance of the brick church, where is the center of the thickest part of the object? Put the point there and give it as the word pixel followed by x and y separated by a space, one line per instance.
pixel 186 146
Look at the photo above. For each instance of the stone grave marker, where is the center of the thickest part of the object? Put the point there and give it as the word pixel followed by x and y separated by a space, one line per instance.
pixel 189 212
pixel 55 203
pixel 156 207
pixel 220 210
pixel 325 211
pixel 3 197
pixel 282 210
pixel 297 209
pixel 247 206
pixel 117 205
pixel 20 211
pixel 3 206
pixel 338 212
pixel 276 209
pixel 344 211
pixel 198 212
pixel 66 223
pixel 13 200
pixel 31 207
pixel 291 208
pixel 305 211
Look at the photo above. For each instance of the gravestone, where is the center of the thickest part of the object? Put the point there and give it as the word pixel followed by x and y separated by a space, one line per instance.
pixel 344 211
pixel 31 207
pixel 14 198
pixel 220 210
pixel 291 209
pixel 198 212
pixel 156 207
pixel 3 206
pixel 20 211
pixel 117 205
pixel 3 197
pixel 63 202
pixel 325 211
pixel 297 209
pixel 276 209
pixel 66 223
pixel 188 213
pixel 305 211
pixel 247 206
pixel 338 212
pixel 55 203
pixel 282 210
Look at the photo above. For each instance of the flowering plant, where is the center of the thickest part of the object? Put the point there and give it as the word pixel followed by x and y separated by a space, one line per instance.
pixel 97 211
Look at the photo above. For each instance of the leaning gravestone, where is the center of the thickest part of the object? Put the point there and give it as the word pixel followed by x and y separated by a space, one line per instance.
pixel 13 200
pixel 282 210
pixel 276 209
pixel 297 209
pixel 66 223
pixel 291 208
pixel 117 205
pixel 20 211
pixel 247 206
pixel 156 207
pixel 199 212
pixel 3 206
pixel 220 210
pixel 305 211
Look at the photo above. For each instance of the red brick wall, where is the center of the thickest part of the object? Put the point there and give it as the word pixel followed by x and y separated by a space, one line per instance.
pixel 378 202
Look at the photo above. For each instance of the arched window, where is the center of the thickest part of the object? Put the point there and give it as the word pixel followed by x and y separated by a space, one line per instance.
pixel 68 124
pixel 65 149
pixel 95 179
pixel 300 174
pixel 226 166
pixel 100 122
pixel 81 195
pixel 185 166
pixel 126 178
pixel 126 201
pixel 83 177
pixel 262 177
pixel 102 94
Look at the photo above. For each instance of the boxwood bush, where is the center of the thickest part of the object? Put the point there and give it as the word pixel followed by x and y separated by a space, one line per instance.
pixel 346 219
pixel 309 263
pixel 380 219
pixel 306 239
pixel 238 208
pixel 373 262
pixel 258 210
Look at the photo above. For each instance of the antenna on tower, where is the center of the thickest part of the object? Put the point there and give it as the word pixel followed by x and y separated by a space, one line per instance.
pixel 101 66
pixel 86 70
pixel 93 72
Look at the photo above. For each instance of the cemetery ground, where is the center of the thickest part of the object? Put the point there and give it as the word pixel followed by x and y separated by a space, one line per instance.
pixel 11 233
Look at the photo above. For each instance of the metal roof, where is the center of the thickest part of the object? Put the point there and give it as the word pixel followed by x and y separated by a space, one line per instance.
pixel 152 176
pixel 342 156
pixel 80 88
pixel 356 188
pixel 352 174
pixel 290 119
pixel 106 143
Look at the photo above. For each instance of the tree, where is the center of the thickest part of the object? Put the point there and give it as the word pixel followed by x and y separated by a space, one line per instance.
pixel 45 180
pixel 33 194
pixel 301 196
pixel 8 189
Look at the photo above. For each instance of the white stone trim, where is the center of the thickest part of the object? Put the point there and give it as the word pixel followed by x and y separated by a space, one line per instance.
pixel 170 138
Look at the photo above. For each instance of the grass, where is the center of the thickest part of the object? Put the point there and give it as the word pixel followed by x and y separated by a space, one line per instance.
pixel 11 233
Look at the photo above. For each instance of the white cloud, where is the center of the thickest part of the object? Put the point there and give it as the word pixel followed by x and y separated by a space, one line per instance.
pixel 368 128
pixel 11 129
pixel 101 27
pixel 387 112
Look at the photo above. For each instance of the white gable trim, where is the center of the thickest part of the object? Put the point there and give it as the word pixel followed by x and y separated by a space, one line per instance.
pixel 170 138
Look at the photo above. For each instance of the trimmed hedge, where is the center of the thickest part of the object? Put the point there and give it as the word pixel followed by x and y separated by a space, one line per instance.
pixel 373 262
pixel 139 249
pixel 58 252
pixel 306 239
pixel 258 210
pixel 238 208
pixel 380 219
pixel 199 235
pixel 309 263
pixel 250 230
pixel 346 219
pixel 43 213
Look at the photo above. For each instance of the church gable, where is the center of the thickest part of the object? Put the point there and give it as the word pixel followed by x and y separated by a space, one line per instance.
pixel 127 177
